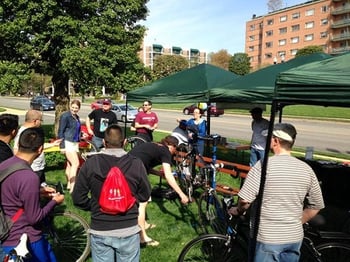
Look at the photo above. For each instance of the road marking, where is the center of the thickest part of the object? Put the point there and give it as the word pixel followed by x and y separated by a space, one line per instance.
pixel 15 111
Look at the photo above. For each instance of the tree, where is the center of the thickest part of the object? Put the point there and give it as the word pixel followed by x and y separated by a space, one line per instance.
pixel 311 49
pixel 274 5
pixel 240 64
pixel 220 59
pixel 94 43
pixel 12 75
pixel 165 65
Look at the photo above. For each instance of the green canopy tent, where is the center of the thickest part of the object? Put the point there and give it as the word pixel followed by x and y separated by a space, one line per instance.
pixel 325 83
pixel 190 85
pixel 258 87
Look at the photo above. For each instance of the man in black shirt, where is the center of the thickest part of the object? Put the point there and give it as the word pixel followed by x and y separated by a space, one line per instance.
pixel 102 117
pixel 8 131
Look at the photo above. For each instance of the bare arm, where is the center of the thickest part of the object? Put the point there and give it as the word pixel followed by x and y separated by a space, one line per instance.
pixel 172 182
pixel 88 126
pixel 308 214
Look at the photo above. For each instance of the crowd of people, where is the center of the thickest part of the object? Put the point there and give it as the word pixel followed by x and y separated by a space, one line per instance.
pixel 120 237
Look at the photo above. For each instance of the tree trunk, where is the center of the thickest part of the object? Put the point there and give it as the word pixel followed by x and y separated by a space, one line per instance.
pixel 61 96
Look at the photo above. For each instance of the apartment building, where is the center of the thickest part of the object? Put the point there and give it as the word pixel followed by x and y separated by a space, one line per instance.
pixel 149 53
pixel 277 36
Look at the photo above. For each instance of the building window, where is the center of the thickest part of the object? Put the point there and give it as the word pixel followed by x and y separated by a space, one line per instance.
pixel 269 22
pixel 283 30
pixel 282 42
pixel 293 51
pixel 268 44
pixel 294 40
pixel 324 9
pixel 323 34
pixel 295 28
pixel 309 37
pixel 309 12
pixel 251 48
pixel 268 55
pixel 251 59
pixel 309 25
pixel 283 18
pixel 295 15
pixel 324 21
pixel 251 38
pixel 252 27
pixel 282 55
pixel 269 33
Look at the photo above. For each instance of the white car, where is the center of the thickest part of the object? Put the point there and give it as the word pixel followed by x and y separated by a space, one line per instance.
pixel 120 111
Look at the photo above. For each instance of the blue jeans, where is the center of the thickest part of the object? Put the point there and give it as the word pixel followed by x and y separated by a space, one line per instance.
pixel 41 251
pixel 279 253
pixel 255 156
pixel 109 249
pixel 98 142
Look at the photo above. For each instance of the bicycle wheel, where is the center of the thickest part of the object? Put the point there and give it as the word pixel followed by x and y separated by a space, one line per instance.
pixel 212 248
pixel 212 216
pixel 133 141
pixel 68 235
pixel 334 252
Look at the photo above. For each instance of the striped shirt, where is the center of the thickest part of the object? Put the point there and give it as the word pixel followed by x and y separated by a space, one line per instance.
pixel 289 181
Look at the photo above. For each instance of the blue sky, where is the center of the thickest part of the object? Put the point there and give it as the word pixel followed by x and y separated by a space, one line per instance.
pixel 207 25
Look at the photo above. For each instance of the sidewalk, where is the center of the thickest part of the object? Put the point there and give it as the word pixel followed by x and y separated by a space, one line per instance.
pixel 14 111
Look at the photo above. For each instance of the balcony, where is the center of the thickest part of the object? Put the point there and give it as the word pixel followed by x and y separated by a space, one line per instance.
pixel 341 23
pixel 340 50
pixel 341 10
pixel 341 37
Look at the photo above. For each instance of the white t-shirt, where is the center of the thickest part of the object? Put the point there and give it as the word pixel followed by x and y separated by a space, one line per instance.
pixel 38 163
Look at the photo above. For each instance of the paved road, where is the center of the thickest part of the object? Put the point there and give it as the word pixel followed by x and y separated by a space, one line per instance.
pixel 326 136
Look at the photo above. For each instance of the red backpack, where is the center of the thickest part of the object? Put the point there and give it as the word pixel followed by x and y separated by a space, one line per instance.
pixel 115 197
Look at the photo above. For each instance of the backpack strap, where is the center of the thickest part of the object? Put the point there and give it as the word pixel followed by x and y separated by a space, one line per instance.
pixel 8 171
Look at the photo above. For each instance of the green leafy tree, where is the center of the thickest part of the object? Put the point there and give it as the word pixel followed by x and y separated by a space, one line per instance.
pixel 220 59
pixel 165 65
pixel 12 74
pixel 311 49
pixel 94 43
pixel 240 64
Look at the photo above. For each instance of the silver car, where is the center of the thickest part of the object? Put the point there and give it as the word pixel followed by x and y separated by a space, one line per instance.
pixel 120 111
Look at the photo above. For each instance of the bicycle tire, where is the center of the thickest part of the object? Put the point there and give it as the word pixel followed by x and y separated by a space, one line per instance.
pixel 133 141
pixel 184 173
pixel 334 252
pixel 69 237
pixel 212 248
pixel 212 216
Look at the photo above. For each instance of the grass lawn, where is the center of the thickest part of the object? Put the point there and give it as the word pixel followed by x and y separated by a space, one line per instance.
pixel 176 224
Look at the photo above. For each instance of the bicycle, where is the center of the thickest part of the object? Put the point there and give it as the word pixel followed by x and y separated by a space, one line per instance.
pixel 318 246
pixel 132 141
pixel 211 213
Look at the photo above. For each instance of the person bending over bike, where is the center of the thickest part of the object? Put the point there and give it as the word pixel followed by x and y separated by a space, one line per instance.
pixel 22 190
pixel 152 155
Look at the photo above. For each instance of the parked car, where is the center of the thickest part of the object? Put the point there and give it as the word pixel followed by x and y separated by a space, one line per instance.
pixel 119 110
pixel 123 115
pixel 42 103
pixel 97 104
pixel 214 111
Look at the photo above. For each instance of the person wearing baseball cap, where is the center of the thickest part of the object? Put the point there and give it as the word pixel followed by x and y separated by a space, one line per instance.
pixel 102 118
